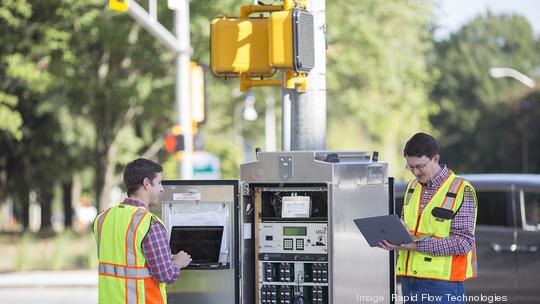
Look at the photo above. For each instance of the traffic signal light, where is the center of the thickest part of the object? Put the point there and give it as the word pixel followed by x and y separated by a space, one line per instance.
pixel 174 143
pixel 174 140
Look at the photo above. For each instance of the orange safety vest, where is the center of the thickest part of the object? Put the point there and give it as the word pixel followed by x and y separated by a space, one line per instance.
pixel 422 265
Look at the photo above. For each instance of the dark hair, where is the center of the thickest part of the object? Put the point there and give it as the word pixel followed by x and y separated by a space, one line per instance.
pixel 137 170
pixel 421 144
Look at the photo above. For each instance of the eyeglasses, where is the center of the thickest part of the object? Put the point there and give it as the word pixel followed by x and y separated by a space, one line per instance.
pixel 417 167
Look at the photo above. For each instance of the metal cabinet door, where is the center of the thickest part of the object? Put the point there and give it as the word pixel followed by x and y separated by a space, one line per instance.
pixel 495 244
pixel 198 286
pixel 528 250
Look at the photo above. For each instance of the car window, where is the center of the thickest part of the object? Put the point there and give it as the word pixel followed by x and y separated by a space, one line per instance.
pixel 494 208
pixel 531 213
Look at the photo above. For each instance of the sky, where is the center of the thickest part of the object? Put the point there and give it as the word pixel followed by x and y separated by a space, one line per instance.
pixel 452 14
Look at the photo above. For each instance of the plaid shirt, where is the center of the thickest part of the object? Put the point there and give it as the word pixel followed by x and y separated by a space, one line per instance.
pixel 461 239
pixel 157 251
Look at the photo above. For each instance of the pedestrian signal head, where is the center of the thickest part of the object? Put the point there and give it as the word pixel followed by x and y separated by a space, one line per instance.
pixel 291 40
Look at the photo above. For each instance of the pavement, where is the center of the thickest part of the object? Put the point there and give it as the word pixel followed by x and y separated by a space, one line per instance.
pixel 33 279
pixel 49 287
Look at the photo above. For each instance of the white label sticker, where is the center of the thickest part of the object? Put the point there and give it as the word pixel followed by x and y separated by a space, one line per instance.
pixel 247 231
pixel 187 196
pixel 295 206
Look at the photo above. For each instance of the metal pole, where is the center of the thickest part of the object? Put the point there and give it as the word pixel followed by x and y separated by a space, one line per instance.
pixel 155 28
pixel 152 9
pixel 308 110
pixel 238 126
pixel 286 100
pixel 270 123
pixel 183 108
pixel 525 147
pixel 526 108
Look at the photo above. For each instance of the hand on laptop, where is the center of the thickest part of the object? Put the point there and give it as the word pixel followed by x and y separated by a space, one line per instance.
pixel 389 246
pixel 182 259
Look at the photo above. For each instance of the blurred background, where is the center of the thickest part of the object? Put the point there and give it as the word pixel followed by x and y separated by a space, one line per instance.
pixel 84 90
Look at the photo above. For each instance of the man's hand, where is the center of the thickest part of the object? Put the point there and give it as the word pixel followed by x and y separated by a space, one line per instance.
pixel 389 246
pixel 182 259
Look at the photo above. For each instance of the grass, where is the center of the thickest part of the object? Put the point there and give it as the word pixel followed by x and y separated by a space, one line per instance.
pixel 65 251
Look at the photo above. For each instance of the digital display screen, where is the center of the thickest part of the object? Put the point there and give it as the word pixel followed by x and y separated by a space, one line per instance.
pixel 294 231
pixel 201 242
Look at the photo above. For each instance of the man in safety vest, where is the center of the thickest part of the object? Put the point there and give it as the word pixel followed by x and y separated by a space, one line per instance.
pixel 440 211
pixel 135 261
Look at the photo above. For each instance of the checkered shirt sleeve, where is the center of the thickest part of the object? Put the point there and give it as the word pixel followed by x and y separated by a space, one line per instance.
pixel 158 254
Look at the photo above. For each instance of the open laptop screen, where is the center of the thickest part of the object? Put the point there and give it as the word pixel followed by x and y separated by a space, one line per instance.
pixel 201 242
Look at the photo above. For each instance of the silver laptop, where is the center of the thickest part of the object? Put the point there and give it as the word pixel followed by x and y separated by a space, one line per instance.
pixel 386 227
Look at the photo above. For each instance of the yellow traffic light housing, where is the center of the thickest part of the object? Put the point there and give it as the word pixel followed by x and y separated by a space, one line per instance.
pixel 291 41
pixel 239 46
pixel 197 92
pixel 255 47
pixel 280 34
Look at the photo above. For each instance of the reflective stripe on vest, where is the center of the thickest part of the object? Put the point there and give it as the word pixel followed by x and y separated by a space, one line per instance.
pixel 416 264
pixel 410 191
pixel 136 219
pixel 124 272
pixel 450 197
pixel 100 226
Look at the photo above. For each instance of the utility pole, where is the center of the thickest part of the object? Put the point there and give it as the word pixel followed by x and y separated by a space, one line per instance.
pixel 180 45
pixel 183 107
pixel 270 123
pixel 304 114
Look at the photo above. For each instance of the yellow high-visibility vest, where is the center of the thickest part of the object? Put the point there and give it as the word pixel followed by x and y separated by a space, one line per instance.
pixel 421 265
pixel 124 276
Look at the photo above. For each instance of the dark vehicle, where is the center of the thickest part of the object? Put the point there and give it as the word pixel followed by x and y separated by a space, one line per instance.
pixel 507 236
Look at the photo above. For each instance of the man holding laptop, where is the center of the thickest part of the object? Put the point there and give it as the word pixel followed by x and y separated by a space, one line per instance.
pixel 439 211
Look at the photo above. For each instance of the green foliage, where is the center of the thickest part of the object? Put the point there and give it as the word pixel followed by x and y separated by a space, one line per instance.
pixel 10 120
pixel 479 117
pixel 27 107
pixel 222 95
pixel 106 86
pixel 12 14
pixel 84 90
pixel 377 78
pixel 66 251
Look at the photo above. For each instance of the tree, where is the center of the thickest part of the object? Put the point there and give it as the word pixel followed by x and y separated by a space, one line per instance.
pixel 377 79
pixel 32 162
pixel 120 78
pixel 13 15
pixel 104 90
pixel 479 117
